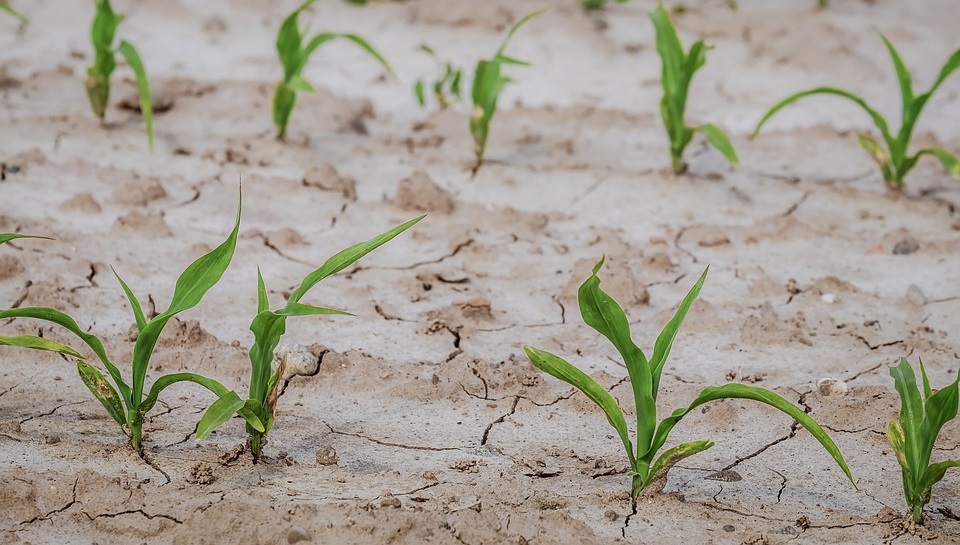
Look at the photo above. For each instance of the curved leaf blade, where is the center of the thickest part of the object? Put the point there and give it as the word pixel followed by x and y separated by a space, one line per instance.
pixel 664 344
pixel 563 370
pixel 217 413
pixel 719 140
pixel 103 391
pixel 7 237
pixel 669 458
pixel 39 343
pixel 143 86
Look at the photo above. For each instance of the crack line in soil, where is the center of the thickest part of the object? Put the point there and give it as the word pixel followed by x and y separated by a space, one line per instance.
pixel 454 252
pixel 146 458
pixel 73 500
pixel 132 512
pixel 794 206
pixel 55 409
pixel 388 443
pixel 676 243
pixel 486 432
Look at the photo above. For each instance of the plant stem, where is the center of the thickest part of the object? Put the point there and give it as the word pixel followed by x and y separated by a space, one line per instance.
pixel 636 486
pixel 136 435
pixel 255 446
pixel 918 513
pixel 679 166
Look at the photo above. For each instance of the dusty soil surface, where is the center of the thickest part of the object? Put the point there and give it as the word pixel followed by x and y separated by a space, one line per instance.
pixel 424 422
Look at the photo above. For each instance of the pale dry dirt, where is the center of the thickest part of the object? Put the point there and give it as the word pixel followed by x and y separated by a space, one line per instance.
pixel 424 422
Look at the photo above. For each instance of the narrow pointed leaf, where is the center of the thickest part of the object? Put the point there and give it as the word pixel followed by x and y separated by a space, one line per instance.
pixel 743 391
pixel 903 75
pixel 63 320
pixel 561 369
pixel 898 443
pixel 674 455
pixel 877 118
pixel 7 237
pixel 879 154
pixel 347 257
pixel 39 343
pixel 513 30
pixel 103 391
pixel 300 309
pixel 7 8
pixel 911 411
pixel 168 380
pixel 219 412
pixel 134 303
pixel 949 161
pixel 263 302
pixel 664 344
pixel 143 86
pixel 936 472
pixel 719 140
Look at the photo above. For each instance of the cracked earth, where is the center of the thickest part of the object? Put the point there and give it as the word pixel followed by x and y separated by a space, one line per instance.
pixel 421 421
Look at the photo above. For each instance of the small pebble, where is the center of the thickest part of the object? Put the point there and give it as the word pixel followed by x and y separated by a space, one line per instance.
pixel 906 246
pixel 327 456
pixel 298 534
pixel 611 515
pixel 915 295
pixel 828 298
pixel 832 387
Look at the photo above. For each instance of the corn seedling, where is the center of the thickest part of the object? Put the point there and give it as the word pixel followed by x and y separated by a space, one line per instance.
pixel 7 237
pixel 488 83
pixel 294 51
pixel 603 314
pixel 446 85
pixel 268 327
pixel 102 34
pixel 125 402
pixel 9 9
pixel 895 160
pixel 678 70
pixel 912 436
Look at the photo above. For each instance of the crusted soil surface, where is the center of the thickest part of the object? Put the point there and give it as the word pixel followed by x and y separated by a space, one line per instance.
pixel 424 422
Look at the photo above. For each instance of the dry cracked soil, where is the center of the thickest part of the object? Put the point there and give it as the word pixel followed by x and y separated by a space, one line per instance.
pixel 422 421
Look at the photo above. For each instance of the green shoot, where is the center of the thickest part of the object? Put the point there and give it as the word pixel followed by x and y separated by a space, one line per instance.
pixel 126 402
pixel 678 70
pixel 294 51
pixel 603 314
pixel 590 5
pixel 268 327
pixel 488 83
pixel 894 160
pixel 102 34
pixel 4 6
pixel 7 237
pixel 446 84
pixel 912 436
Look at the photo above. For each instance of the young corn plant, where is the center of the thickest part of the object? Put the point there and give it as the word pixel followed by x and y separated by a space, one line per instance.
pixel 893 155
pixel 913 435
pixel 488 83
pixel 268 327
pixel 4 6
pixel 678 70
pixel 128 403
pixel 605 315
pixel 294 51
pixel 102 34
pixel 445 86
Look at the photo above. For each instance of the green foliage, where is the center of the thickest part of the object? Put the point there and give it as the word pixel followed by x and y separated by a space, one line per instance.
pixel 102 34
pixel 446 84
pixel 893 156
pixel 268 327
pixel 488 83
pixel 294 51
pixel 4 6
pixel 912 436
pixel 678 70
pixel 603 314
pixel 125 402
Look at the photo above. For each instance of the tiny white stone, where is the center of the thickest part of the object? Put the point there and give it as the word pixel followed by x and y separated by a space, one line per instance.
pixel 828 298
pixel 299 360
pixel 828 386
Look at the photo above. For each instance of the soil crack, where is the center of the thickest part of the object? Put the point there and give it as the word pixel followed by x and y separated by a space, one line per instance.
pixel 486 432
pixel 388 443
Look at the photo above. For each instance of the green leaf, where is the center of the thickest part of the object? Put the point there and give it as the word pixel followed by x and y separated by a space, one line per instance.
pixel 939 409
pixel 561 369
pixel 949 161
pixel 347 257
pixel 664 344
pixel 420 93
pixel 7 237
pixel 219 412
pixel 300 309
pixel 880 155
pixel 263 302
pixel 513 30
pixel 284 99
pixel 878 119
pixel 289 40
pixel 363 44
pixel 603 314
pixel 7 8
pixel 898 443
pixel 250 411
pixel 719 140
pixel 192 285
pixel 68 323
pixel 903 75
pixel 103 391
pixel 911 414
pixel 143 86
pixel 935 474
pixel 134 303
pixel 102 33
pixel 299 85
pixel 39 343
pixel 168 380
pixel 743 391
pixel 674 455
